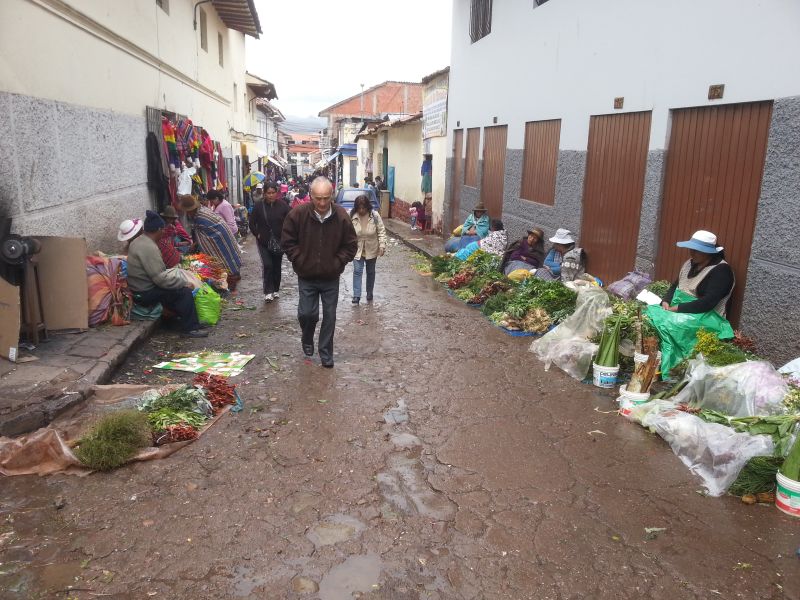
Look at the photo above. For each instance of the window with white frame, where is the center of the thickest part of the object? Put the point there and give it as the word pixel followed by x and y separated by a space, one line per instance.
pixel 480 19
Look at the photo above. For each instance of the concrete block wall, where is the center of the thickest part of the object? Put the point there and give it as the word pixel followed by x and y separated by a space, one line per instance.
pixel 71 170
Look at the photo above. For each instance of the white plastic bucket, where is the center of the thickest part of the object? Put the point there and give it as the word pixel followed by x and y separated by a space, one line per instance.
pixel 787 496
pixel 633 397
pixel 604 377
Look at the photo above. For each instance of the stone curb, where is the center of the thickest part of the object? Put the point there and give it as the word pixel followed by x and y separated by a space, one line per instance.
pixel 80 390
pixel 400 235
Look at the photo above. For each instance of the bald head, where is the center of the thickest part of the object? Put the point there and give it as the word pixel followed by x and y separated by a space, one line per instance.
pixel 321 184
pixel 321 195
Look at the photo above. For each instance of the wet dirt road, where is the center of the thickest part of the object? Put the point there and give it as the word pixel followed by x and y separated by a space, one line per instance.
pixel 437 460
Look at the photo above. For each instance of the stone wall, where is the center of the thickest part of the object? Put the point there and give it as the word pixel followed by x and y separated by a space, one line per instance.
pixel 71 170
pixel 771 311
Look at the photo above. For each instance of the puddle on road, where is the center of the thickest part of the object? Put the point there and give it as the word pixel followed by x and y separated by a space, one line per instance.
pixel 335 529
pixel 356 574
pixel 26 580
pixel 244 582
pixel 397 414
pixel 403 441
pixel 405 487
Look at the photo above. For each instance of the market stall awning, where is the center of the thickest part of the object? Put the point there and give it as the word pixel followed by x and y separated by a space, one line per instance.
pixel 239 15
pixel 276 162
pixel 334 156
pixel 348 149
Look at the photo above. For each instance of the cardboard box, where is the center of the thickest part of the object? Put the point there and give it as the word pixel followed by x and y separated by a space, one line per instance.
pixel 63 283
pixel 9 320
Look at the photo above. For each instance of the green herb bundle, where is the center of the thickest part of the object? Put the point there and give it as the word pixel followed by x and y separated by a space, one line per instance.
pixel 114 440
pixel 757 476
pixel 791 466
pixel 608 351
pixel 164 417
pixel 780 427
pixel 659 288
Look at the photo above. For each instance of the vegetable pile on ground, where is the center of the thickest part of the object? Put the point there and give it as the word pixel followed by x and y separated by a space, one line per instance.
pixel 114 440
pixel 207 268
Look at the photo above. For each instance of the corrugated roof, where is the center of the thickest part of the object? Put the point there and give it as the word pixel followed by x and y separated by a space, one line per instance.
pixel 239 15
pixel 435 74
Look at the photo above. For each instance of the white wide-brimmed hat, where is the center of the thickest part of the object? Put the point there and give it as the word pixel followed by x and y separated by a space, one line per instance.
pixel 129 228
pixel 563 236
pixel 702 241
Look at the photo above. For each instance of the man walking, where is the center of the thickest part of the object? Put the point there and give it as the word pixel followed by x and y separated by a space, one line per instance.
pixel 319 241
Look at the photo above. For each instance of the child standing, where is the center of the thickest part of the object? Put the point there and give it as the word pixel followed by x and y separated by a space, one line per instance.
pixel 413 214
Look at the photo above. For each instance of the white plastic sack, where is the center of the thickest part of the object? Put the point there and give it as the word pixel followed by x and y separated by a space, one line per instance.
pixel 567 345
pixel 791 368
pixel 747 389
pixel 713 452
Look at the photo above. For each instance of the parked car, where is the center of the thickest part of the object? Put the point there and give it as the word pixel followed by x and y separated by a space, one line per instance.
pixel 347 197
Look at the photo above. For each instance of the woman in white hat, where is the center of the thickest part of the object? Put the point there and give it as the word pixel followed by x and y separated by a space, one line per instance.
pixel 705 276
pixel 564 261
pixel 128 231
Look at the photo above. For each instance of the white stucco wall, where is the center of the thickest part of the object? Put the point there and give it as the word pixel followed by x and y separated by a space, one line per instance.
pixel 76 77
pixel 120 55
pixel 438 150
pixel 569 60
pixel 405 155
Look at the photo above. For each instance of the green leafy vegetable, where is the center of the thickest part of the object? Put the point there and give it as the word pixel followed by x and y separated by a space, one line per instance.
pixel 114 440
pixel 757 476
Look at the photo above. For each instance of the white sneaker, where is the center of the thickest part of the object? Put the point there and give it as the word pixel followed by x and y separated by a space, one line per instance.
pixel 276 295
pixel 268 297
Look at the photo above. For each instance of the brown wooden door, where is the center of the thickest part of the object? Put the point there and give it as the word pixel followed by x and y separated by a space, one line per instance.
pixel 494 168
pixel 715 161
pixel 457 177
pixel 616 162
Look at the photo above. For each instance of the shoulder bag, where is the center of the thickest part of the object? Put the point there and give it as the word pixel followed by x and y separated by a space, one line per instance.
pixel 273 245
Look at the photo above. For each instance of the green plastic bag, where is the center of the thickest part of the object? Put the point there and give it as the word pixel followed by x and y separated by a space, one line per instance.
pixel 208 305
pixel 678 331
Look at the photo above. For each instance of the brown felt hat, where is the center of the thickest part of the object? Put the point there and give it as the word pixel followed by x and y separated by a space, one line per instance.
pixel 169 213
pixel 479 206
pixel 188 203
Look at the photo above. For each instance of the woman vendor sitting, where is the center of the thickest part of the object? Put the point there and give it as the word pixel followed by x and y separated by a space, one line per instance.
pixel 564 261
pixel 527 253
pixel 476 227
pixel 494 243
pixel 705 276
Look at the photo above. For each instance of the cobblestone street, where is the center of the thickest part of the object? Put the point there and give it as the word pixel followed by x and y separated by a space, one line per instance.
pixel 436 460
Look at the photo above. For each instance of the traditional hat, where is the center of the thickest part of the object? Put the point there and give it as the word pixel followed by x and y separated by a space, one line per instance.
pixel 153 222
pixel 702 241
pixel 563 236
pixel 479 206
pixel 188 203
pixel 536 231
pixel 169 213
pixel 129 228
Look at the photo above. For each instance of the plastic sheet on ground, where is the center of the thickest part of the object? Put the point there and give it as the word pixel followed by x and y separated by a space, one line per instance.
pixel 747 389
pixel 713 452
pixel 791 368
pixel 567 345
pixel 49 450
pixel 225 364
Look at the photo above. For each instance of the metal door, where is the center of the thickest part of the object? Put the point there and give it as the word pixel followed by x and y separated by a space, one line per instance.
pixel 457 177
pixel 616 162
pixel 494 168
pixel 353 176
pixel 715 161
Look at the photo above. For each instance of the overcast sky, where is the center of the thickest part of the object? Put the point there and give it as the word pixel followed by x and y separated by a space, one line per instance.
pixel 318 52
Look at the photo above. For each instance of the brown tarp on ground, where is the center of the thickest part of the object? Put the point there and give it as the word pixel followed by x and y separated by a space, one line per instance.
pixel 48 450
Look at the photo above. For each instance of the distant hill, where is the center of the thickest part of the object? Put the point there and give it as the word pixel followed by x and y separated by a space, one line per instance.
pixel 295 124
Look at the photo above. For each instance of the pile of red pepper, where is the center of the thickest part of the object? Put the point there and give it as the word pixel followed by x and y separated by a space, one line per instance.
pixel 218 391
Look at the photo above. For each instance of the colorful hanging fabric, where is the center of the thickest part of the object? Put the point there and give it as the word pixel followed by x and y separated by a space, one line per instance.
pixel 188 138
pixel 168 132
pixel 206 150
pixel 109 296
pixel 222 178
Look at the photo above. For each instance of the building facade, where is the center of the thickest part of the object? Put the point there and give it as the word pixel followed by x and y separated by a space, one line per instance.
pixel 77 84
pixel 634 137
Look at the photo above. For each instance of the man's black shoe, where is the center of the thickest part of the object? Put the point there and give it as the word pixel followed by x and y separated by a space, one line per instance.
pixel 195 333
pixel 308 349
pixel 328 364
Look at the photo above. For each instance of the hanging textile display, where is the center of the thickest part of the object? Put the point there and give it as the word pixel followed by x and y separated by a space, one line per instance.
pixel 206 150
pixel 222 179
pixel 157 180
pixel 168 133
pixel 188 139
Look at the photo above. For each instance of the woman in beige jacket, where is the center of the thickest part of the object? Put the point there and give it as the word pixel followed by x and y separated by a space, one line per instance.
pixel 371 244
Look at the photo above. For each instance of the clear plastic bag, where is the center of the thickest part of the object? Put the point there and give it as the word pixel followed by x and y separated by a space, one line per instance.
pixel 567 345
pixel 747 389
pixel 713 452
